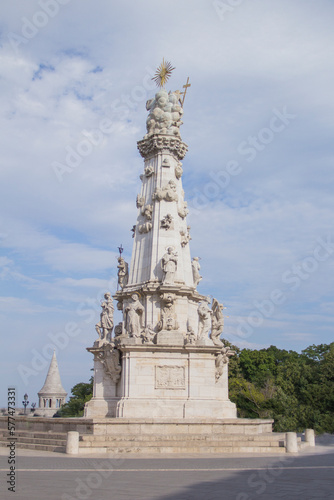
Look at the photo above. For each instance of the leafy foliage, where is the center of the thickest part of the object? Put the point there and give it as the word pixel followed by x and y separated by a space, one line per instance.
pixel 296 390
pixel 81 393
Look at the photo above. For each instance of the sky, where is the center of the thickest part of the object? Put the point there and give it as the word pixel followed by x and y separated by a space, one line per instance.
pixel 258 176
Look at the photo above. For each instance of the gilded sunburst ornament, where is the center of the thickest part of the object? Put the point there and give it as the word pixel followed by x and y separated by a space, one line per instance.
pixel 163 73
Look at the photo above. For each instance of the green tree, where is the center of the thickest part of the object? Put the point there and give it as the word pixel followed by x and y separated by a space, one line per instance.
pixel 297 390
pixel 81 393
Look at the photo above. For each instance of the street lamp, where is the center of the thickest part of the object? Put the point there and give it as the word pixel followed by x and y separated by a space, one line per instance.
pixel 25 402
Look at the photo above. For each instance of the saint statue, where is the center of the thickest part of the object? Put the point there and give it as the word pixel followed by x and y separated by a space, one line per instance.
pixel 169 266
pixel 123 272
pixel 134 311
pixel 195 268
pixel 148 335
pixel 204 313
pixel 217 323
pixel 105 326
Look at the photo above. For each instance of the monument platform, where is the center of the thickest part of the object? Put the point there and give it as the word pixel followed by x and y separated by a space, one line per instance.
pixel 163 380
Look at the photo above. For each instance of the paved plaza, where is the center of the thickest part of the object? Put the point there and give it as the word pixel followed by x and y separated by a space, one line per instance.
pixel 50 476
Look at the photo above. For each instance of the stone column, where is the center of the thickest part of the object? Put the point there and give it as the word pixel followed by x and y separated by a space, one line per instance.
pixel 291 442
pixel 309 437
pixel 72 445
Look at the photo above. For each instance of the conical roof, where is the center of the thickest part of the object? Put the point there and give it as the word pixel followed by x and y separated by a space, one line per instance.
pixel 52 384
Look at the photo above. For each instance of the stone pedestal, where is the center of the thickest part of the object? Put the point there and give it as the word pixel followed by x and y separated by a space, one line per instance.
pixel 163 381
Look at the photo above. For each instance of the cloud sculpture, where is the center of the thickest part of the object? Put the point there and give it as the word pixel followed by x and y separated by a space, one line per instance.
pixel 165 114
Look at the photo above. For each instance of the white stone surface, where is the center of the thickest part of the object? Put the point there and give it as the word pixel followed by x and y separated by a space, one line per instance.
pixel 72 445
pixel 291 442
pixel 176 370
pixel 310 437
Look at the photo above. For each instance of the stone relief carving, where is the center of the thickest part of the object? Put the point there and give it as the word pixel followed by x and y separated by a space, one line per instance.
pixel 178 171
pixel 145 228
pixel 168 317
pixel 190 336
pixel 170 377
pixel 196 268
pixel 204 316
pixel 166 163
pixel 146 211
pixel 106 324
pixel 217 323
pixel 133 230
pixel 148 170
pixel 134 312
pixel 185 237
pixel 169 266
pixel 183 210
pixel 110 359
pixel 167 193
pixel 140 201
pixel 148 335
pixel 167 222
pixel 165 114
pixel 156 144
pixel 222 359
pixel 118 330
pixel 123 272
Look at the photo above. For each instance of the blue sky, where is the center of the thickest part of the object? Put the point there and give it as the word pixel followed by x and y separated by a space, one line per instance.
pixel 258 177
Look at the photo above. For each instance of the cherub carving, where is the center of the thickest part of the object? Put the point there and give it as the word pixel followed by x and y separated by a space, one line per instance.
pixel 140 201
pixel 167 222
pixel 167 193
pixel 178 171
pixel 185 237
pixel 183 210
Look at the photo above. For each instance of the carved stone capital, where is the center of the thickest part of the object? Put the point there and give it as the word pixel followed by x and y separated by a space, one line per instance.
pixel 162 144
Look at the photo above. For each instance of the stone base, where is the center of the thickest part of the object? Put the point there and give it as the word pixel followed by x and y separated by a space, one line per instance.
pixel 171 435
pixel 175 408
pixel 99 406
pixel 163 380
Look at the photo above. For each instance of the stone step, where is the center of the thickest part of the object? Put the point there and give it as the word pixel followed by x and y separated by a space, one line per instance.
pixel 37 446
pixel 44 441
pixel 33 434
pixel 272 438
pixel 27 439
pixel 181 449
pixel 184 445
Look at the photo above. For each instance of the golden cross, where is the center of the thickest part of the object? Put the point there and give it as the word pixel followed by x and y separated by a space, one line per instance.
pixel 185 90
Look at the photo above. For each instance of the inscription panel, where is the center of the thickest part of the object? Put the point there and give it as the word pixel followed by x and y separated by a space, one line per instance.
pixel 170 377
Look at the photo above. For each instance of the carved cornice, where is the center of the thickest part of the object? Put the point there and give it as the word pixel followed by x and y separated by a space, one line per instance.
pixel 162 144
